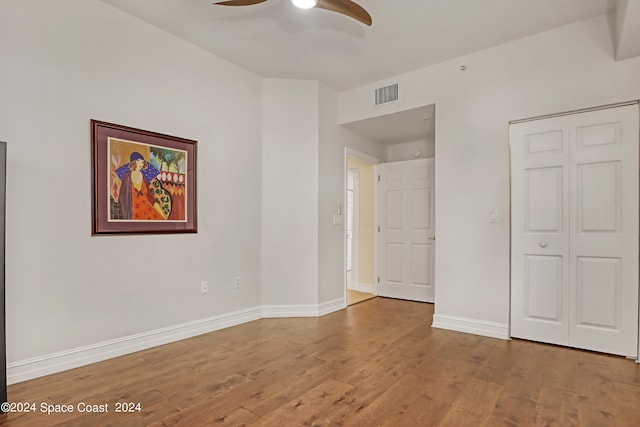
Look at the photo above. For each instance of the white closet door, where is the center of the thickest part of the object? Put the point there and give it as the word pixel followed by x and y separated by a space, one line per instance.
pixel 575 230
pixel 540 238
pixel 604 233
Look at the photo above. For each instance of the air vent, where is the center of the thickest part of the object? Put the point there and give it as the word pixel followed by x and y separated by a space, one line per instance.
pixel 387 94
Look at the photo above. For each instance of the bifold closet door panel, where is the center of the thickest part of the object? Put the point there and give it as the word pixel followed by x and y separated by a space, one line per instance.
pixel 604 231
pixel 540 238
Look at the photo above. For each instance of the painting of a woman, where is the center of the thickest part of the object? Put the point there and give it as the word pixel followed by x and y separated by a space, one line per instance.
pixel 141 196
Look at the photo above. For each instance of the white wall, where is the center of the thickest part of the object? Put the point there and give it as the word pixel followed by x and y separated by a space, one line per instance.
pixel 333 139
pixel 64 63
pixel 564 69
pixel 407 150
pixel 290 192
pixel 302 186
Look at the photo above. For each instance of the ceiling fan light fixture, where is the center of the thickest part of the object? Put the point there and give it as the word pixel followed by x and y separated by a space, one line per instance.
pixel 344 7
pixel 304 4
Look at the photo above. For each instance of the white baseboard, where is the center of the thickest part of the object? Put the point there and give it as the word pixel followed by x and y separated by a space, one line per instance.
pixel 24 370
pixel 300 310
pixel 331 306
pixel 28 369
pixel 303 310
pixel 471 326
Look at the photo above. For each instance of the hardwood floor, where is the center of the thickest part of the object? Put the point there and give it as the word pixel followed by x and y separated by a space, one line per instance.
pixel 377 363
pixel 355 297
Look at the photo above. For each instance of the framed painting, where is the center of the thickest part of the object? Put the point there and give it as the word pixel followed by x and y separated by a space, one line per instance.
pixel 143 182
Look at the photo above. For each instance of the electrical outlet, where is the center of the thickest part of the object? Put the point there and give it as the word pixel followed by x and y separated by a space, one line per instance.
pixel 237 282
pixel 204 288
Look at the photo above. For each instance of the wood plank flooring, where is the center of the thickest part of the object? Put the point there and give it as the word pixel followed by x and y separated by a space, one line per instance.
pixel 377 363
pixel 354 297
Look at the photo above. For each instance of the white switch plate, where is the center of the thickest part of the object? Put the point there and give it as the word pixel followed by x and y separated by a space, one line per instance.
pixel 204 288
pixel 338 220
pixel 493 216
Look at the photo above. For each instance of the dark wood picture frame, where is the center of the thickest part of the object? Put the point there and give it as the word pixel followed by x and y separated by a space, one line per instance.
pixel 161 197
pixel 3 320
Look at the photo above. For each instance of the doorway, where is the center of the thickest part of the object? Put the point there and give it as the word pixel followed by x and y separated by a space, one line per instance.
pixel 359 227
pixel 407 139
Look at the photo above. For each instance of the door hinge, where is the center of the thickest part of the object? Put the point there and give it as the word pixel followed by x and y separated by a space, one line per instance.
pixel 378 178
pixel 378 279
pixel 378 229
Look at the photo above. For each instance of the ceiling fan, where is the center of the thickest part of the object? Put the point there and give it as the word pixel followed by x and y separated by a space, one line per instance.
pixel 345 7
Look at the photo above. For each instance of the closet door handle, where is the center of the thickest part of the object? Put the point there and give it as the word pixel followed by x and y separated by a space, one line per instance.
pixel 543 244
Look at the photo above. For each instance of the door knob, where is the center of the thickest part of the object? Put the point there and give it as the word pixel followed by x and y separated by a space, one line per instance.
pixel 543 244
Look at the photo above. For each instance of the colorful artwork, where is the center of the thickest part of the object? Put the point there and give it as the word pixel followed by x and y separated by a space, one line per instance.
pixel 143 182
pixel 146 183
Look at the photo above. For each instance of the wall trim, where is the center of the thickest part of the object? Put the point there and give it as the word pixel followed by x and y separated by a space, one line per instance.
pixel 36 367
pixel 27 369
pixel 303 310
pixel 579 111
pixel 332 306
pixel 471 326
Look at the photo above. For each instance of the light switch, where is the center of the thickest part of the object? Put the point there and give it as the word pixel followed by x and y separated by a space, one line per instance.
pixel 493 216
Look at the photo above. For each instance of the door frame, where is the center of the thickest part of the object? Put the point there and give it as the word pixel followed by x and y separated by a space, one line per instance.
pixel 350 152
pixel 542 117
pixel 3 320
pixel 355 224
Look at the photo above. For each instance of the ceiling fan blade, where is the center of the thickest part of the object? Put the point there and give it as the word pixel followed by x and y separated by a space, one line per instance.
pixel 239 2
pixel 348 8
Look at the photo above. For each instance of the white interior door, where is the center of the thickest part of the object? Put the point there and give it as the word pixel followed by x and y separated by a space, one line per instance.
pixel 406 239
pixel 575 230
pixel 539 230
pixel 604 233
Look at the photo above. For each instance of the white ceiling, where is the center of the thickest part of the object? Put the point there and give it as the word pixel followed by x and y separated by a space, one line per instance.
pixel 275 39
